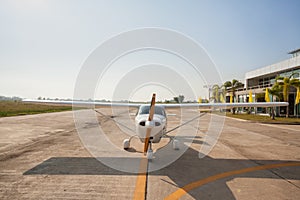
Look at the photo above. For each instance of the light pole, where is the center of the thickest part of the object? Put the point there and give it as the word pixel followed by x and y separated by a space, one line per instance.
pixel 209 90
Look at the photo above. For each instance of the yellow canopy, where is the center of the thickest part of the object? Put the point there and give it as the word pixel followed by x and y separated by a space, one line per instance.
pixel 267 96
pixel 199 100
pixel 250 97
pixel 297 100
pixel 231 98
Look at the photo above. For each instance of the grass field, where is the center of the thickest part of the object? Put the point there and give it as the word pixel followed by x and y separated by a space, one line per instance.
pixel 265 119
pixel 11 108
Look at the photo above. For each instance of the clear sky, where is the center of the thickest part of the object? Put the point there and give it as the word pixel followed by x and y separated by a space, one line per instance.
pixel 44 43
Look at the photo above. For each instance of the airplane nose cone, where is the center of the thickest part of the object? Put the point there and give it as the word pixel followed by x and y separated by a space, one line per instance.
pixel 150 124
pixel 156 122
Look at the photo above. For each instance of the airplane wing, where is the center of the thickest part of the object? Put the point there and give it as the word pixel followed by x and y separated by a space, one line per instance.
pixel 225 105
pixel 175 105
pixel 78 103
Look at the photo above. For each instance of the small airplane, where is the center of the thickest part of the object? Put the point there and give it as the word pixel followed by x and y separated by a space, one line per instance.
pixel 151 120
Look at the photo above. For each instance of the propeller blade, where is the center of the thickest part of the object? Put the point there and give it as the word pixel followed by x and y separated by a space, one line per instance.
pixel 152 108
pixel 146 144
pixel 150 118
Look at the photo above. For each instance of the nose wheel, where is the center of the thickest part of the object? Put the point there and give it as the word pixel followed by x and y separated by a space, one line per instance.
pixel 149 153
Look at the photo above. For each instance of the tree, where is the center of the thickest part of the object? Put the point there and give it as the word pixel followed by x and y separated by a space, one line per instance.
pixel 231 87
pixel 179 99
pixel 275 92
pixel 284 84
pixel 176 99
pixel 216 92
pixel 296 83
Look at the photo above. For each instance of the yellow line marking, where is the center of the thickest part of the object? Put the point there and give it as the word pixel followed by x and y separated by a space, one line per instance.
pixel 141 181
pixel 182 191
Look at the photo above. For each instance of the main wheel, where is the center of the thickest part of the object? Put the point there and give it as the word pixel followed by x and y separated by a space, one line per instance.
pixel 175 144
pixel 126 143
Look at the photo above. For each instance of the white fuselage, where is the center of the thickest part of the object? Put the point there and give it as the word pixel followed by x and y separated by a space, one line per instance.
pixel 157 125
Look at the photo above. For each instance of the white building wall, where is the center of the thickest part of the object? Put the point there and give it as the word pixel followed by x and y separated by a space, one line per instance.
pixel 280 66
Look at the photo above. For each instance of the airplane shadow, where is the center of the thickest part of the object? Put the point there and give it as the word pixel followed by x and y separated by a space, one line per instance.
pixel 183 171
pixel 75 166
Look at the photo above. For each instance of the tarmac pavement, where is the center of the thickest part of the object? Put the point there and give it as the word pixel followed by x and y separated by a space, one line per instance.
pixel 42 157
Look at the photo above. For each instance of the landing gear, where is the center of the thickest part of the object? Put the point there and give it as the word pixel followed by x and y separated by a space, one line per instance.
pixel 149 154
pixel 126 143
pixel 150 151
pixel 175 144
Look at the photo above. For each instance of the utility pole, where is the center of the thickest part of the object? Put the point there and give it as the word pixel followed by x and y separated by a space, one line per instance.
pixel 209 90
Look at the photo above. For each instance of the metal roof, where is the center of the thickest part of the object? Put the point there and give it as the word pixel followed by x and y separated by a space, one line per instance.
pixel 276 67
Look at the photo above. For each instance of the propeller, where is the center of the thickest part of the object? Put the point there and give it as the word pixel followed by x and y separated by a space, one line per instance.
pixel 150 118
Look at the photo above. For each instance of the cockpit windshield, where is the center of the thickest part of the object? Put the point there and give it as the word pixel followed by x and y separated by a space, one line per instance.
pixel 158 110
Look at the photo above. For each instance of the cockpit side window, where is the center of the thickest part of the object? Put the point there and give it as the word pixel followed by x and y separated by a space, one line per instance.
pixel 159 111
pixel 144 110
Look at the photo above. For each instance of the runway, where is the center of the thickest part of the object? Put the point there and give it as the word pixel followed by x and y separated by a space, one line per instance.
pixel 42 157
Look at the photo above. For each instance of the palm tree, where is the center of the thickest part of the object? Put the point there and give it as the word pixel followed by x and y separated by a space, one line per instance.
pixel 296 84
pixel 284 84
pixel 275 92
pixel 232 86
pixel 217 92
